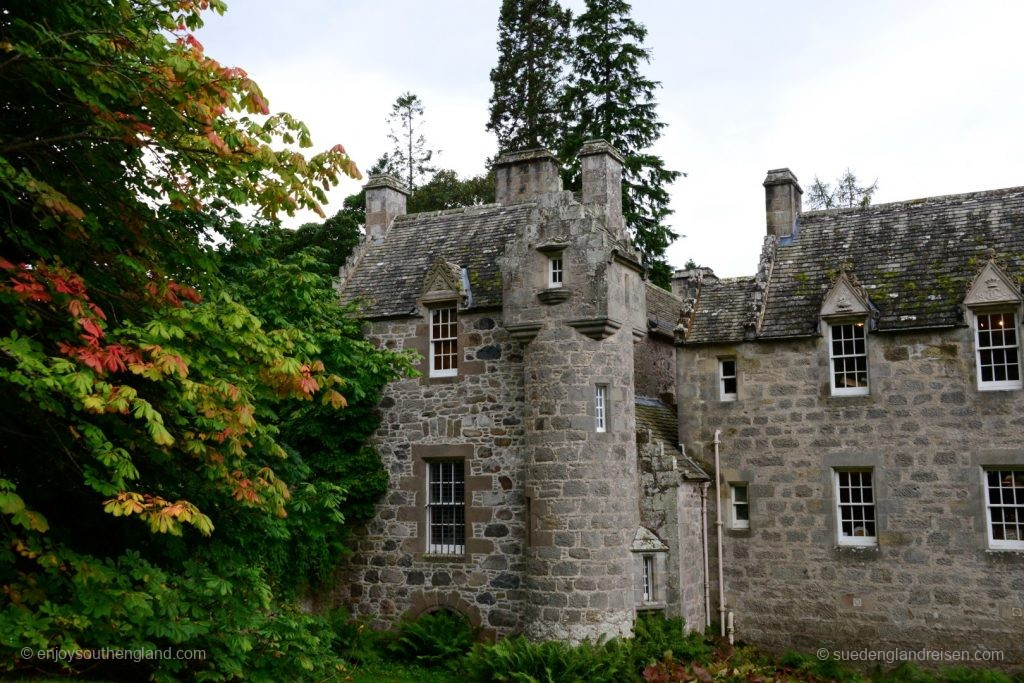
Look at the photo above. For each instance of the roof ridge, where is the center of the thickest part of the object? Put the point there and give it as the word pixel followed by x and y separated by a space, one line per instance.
pixel 474 208
pixel 914 202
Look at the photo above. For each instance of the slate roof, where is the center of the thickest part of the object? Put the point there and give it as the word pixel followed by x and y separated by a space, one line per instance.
pixel 915 259
pixel 389 276
pixel 663 309
pixel 721 310
pixel 661 420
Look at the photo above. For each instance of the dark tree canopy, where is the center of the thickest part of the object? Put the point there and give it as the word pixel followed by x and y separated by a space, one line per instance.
pixel 608 97
pixel 533 39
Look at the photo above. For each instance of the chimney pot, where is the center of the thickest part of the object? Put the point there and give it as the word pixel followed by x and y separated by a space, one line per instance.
pixel 385 201
pixel 782 200
pixel 524 175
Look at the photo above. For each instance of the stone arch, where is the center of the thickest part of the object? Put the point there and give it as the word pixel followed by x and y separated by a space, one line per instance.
pixel 429 602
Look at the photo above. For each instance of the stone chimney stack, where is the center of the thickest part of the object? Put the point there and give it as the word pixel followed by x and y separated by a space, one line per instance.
pixel 523 176
pixel 782 202
pixel 686 283
pixel 385 201
pixel 601 166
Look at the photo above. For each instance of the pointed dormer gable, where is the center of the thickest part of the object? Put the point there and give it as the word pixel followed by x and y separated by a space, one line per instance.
pixel 992 287
pixel 442 282
pixel 646 541
pixel 846 298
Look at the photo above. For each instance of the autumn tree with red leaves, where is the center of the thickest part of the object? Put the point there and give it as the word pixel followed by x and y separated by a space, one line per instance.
pixel 142 396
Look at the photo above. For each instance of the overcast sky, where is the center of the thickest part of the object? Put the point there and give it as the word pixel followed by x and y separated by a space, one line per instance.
pixel 926 96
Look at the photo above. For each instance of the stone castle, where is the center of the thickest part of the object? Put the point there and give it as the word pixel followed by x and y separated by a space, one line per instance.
pixel 553 467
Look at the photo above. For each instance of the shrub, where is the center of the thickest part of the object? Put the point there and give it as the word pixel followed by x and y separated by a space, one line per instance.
pixel 654 636
pixel 436 639
pixel 518 660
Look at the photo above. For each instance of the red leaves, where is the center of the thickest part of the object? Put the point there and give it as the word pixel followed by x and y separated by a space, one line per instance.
pixel 170 292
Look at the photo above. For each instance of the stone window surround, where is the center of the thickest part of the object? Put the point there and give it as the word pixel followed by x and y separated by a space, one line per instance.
pixel 612 398
pixel 844 392
pixel 659 564
pixel 555 270
pixel 990 458
pixel 421 344
pixel 859 460
pixel 416 485
pixel 601 411
pixel 989 310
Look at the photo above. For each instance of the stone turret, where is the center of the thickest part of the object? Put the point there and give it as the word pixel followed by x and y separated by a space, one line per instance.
pixel 578 329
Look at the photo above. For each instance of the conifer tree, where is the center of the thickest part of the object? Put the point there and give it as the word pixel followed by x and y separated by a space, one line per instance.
pixel 608 97
pixel 533 37
pixel 410 156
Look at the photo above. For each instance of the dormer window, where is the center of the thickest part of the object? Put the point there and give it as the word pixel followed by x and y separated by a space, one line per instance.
pixel 998 351
pixel 556 273
pixel 444 342
pixel 848 357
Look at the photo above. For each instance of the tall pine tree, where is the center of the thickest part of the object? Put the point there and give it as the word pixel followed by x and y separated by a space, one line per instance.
pixel 410 156
pixel 608 97
pixel 533 38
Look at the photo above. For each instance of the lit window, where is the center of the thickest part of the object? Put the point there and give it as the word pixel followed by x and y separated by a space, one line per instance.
pixel 600 405
pixel 555 271
pixel 848 353
pixel 444 343
pixel 446 514
pixel 648 578
pixel 855 501
pixel 998 351
pixel 1005 502
pixel 740 506
pixel 727 379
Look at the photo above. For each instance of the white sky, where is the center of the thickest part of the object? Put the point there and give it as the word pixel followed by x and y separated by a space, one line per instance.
pixel 925 95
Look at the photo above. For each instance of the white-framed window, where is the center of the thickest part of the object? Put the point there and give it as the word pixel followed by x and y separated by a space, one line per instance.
pixel 727 379
pixel 446 507
pixel 855 507
pixel 848 358
pixel 998 351
pixel 1004 500
pixel 556 271
pixel 601 408
pixel 648 569
pixel 740 506
pixel 444 342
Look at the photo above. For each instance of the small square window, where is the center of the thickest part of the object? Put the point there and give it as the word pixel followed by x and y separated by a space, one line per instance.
pixel 855 508
pixel 444 342
pixel 740 506
pixel 601 408
pixel 1004 501
pixel 998 351
pixel 727 379
pixel 556 272
pixel 848 358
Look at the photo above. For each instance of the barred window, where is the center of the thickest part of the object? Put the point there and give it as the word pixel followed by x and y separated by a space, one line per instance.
pixel 1005 502
pixel 446 509
pixel 555 271
pixel 444 342
pixel 998 351
pixel 849 358
pixel 855 499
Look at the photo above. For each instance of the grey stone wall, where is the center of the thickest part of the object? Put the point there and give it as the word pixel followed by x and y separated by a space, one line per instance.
pixel 670 506
pixel 654 367
pixel 931 582
pixel 477 415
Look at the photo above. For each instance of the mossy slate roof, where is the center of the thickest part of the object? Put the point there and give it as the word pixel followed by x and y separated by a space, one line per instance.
pixel 389 277
pixel 915 259
pixel 661 420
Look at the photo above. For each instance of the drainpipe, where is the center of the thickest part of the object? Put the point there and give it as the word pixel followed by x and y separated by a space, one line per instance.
pixel 718 530
pixel 704 543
